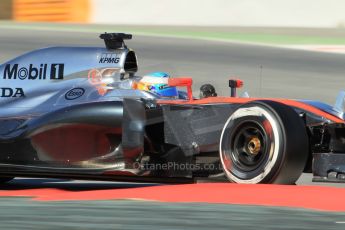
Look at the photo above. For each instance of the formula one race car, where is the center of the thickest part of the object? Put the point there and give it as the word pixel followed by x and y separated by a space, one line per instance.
pixel 82 113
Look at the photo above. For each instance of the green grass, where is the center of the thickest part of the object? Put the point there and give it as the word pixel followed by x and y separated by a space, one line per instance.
pixel 195 33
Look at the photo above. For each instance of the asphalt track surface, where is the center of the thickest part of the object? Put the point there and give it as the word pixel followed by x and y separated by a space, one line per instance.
pixel 266 71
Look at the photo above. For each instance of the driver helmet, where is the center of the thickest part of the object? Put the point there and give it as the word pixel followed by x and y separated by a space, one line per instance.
pixel 157 83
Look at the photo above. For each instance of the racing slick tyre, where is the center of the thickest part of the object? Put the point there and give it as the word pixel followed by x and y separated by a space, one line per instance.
pixel 264 142
pixel 4 180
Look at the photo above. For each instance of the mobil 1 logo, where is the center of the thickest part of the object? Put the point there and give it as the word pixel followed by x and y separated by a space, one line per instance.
pixel 34 72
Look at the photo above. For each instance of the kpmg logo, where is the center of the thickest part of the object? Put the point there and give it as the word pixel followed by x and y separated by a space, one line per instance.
pixel 41 72
pixel 109 58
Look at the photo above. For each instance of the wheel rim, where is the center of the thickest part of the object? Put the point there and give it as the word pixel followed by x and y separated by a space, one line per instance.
pixel 248 149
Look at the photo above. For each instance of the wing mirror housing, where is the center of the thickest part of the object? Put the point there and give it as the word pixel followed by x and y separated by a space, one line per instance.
pixel 234 84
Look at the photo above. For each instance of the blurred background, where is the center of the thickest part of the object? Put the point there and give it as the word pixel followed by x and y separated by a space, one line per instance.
pixel 266 43
pixel 263 13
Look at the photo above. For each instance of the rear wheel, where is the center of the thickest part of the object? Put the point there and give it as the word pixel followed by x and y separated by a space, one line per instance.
pixel 264 142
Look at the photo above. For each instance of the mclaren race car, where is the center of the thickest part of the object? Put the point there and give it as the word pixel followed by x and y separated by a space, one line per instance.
pixel 81 112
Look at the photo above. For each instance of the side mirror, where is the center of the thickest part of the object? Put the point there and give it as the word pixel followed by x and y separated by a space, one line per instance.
pixel 234 84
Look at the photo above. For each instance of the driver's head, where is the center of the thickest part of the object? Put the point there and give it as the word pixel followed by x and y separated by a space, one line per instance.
pixel 157 83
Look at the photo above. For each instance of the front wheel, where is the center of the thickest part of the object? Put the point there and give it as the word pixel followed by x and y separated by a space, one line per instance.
pixel 264 142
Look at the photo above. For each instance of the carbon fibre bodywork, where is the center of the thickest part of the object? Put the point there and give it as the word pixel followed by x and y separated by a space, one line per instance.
pixel 73 112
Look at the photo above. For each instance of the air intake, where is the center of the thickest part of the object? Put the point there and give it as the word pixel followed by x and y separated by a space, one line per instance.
pixel 115 40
